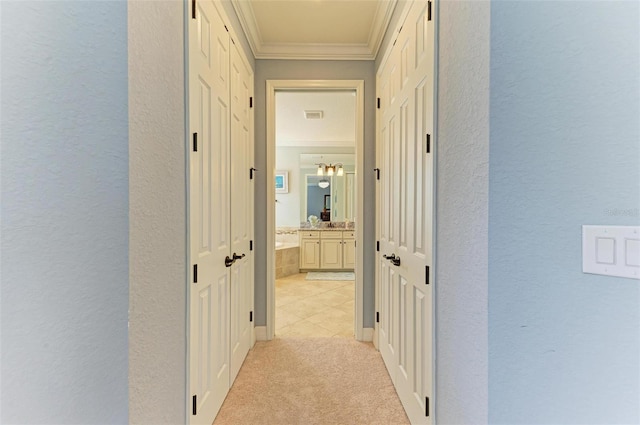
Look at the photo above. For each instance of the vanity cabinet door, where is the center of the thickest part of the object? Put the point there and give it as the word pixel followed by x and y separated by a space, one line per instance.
pixel 348 253
pixel 331 253
pixel 309 253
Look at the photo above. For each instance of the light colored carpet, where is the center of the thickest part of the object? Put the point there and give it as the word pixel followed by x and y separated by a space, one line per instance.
pixel 311 381
pixel 331 276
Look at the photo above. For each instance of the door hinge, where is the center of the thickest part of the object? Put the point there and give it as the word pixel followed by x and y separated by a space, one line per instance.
pixel 251 102
pixel 226 29
pixel 194 406
pixel 193 9
pixel 426 401
pixel 250 245
pixel 378 246
pixel 195 142
pixel 426 277
pixel 251 316
pixel 378 103
pixel 251 171
pixel 195 273
pixel 377 317
pixel 377 170
pixel 428 143
pixel 428 19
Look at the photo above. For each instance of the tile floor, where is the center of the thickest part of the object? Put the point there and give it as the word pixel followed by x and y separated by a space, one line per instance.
pixel 316 308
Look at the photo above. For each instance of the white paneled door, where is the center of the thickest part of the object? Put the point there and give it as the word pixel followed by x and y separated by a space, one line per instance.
pixel 404 285
pixel 242 209
pixel 221 211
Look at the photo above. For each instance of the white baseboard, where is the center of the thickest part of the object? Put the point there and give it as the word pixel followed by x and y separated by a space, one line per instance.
pixel 367 334
pixel 261 333
pixel 375 338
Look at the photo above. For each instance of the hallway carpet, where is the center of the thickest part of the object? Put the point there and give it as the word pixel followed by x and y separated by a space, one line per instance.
pixel 312 381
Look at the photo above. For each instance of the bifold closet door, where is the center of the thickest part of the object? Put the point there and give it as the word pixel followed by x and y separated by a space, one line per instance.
pixel 221 210
pixel 405 212
pixel 210 205
pixel 241 208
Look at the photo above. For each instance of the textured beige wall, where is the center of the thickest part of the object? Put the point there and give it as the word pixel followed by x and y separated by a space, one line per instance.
pixel 64 207
pixel 462 152
pixel 157 214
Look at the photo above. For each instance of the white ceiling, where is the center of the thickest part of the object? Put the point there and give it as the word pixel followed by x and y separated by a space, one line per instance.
pixel 336 128
pixel 314 29
pixel 311 160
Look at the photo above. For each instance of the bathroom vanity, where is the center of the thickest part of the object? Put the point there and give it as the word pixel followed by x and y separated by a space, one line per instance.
pixel 327 249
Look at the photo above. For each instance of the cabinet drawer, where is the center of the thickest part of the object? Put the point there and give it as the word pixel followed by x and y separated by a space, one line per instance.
pixel 310 234
pixel 349 235
pixel 331 234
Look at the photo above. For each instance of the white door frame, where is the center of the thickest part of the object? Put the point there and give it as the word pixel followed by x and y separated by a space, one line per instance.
pixel 279 85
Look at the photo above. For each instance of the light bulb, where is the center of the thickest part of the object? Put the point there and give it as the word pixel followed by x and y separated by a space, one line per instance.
pixel 340 171
pixel 330 171
pixel 320 173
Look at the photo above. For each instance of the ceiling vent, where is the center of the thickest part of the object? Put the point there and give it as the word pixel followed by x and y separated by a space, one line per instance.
pixel 313 115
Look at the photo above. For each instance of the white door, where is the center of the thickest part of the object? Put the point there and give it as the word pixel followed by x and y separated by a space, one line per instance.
pixel 242 210
pixel 209 203
pixel 388 175
pixel 406 213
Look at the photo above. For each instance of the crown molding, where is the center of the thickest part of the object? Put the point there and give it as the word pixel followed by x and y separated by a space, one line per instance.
pixel 247 19
pixel 302 51
pixel 384 12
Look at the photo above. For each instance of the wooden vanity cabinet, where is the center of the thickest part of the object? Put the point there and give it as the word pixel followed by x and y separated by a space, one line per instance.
pixel 327 250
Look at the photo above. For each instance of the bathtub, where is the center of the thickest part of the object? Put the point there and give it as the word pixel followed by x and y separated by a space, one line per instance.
pixel 285 245
pixel 287 259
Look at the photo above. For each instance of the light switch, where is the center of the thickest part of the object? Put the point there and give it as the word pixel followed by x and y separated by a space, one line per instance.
pixel 611 250
pixel 632 252
pixel 605 250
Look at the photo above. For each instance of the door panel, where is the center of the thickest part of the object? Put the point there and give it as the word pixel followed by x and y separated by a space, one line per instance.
pixel 221 211
pixel 331 254
pixel 405 211
pixel 209 204
pixel 242 210
pixel 349 254
pixel 309 253
pixel 388 318
pixel 403 174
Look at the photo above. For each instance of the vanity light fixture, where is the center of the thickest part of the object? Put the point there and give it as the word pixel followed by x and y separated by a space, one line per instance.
pixel 330 169
pixel 324 183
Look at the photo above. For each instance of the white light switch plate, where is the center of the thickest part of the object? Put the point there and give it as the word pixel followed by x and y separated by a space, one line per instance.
pixel 611 250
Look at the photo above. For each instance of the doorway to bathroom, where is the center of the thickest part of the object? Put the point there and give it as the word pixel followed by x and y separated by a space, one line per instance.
pixel 314 147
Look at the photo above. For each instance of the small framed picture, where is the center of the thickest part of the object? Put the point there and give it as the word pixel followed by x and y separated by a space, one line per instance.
pixel 282 182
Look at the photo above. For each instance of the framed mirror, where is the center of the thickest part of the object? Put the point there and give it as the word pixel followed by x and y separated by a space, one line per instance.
pixel 330 198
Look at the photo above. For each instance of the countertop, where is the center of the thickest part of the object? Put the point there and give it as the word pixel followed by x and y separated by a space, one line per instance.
pixel 324 229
